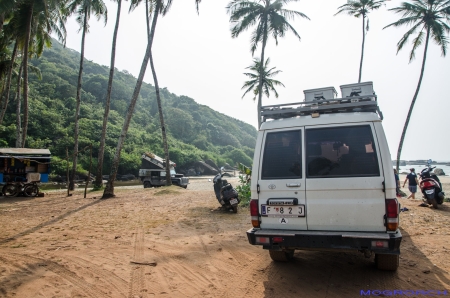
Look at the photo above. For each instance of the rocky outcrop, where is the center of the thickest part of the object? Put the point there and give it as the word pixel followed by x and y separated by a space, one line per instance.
pixel 212 164
pixel 439 172
pixel 199 168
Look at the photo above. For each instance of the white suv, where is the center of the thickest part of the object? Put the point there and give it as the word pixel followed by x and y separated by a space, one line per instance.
pixel 322 178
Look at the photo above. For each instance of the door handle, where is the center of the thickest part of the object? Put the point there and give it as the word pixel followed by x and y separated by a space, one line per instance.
pixel 293 184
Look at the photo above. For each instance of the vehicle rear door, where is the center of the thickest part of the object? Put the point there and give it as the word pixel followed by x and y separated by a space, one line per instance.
pixel 281 181
pixel 344 178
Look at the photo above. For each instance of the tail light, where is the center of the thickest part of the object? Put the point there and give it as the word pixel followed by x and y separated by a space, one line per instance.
pixel 392 214
pixel 428 184
pixel 254 213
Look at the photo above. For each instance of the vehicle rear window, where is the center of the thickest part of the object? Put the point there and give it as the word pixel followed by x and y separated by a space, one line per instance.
pixel 282 158
pixel 341 152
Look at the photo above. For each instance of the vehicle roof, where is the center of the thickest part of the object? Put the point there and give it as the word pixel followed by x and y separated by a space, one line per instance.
pixel 334 118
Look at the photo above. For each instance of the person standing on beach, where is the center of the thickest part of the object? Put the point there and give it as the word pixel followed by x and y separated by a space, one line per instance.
pixel 412 183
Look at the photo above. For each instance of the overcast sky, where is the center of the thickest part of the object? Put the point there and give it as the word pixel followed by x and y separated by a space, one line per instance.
pixel 195 56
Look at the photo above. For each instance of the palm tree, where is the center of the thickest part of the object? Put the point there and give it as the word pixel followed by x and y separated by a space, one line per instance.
pixel 47 16
pixel 267 81
pixel 32 22
pixel 158 8
pixel 429 18
pixel 158 96
pixel 359 8
pixel 101 150
pixel 109 189
pixel 270 18
pixel 162 11
pixel 83 9
pixel 8 68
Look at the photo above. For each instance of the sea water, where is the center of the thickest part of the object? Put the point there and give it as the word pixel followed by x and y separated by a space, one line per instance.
pixel 419 168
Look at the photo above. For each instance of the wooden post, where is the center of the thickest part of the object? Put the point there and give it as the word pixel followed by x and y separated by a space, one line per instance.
pixel 67 175
pixel 89 173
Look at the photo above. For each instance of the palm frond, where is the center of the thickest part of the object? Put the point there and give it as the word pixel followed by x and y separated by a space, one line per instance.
pixel 431 15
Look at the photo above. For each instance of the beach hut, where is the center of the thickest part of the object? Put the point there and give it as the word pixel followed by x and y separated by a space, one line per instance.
pixel 24 165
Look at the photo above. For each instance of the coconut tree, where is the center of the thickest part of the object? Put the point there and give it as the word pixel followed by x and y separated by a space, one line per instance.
pixel 6 9
pixel 157 7
pixel 427 19
pixel 267 81
pixel 269 18
pixel 32 22
pixel 361 8
pixel 83 10
pixel 109 189
pixel 101 150
pixel 8 64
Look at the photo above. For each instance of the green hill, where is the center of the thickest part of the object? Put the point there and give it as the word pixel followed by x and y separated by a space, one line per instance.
pixel 195 132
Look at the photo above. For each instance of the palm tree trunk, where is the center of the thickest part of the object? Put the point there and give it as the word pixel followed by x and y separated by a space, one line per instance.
pixel 25 75
pixel 109 189
pixel 158 100
pixel 17 99
pixel 362 48
pixel 161 119
pixel 261 67
pixel 408 117
pixel 18 121
pixel 77 112
pixel 101 150
pixel 8 82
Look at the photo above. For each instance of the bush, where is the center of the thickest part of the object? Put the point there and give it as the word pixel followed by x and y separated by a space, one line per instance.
pixel 244 191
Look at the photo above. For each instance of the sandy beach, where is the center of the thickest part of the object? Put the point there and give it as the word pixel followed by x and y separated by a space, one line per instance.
pixel 174 242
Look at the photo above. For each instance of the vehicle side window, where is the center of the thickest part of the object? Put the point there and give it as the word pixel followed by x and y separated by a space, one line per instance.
pixel 341 152
pixel 282 158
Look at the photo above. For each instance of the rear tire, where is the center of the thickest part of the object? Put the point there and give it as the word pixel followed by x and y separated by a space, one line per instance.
pixel 387 262
pixel 234 209
pixel 281 255
pixel 10 190
pixel 31 190
pixel 147 184
pixel 434 203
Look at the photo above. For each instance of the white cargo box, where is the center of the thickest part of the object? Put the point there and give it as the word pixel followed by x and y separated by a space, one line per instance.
pixel 31 177
pixel 358 89
pixel 320 94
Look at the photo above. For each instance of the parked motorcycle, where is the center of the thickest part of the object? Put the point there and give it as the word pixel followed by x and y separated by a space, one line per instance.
pixel 431 187
pixel 226 194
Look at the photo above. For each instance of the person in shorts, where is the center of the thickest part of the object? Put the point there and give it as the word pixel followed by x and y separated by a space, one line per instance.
pixel 412 183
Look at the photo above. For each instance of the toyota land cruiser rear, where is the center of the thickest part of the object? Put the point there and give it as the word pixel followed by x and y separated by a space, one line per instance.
pixel 322 178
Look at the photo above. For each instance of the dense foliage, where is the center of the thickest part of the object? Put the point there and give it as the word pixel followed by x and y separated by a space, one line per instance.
pixel 196 132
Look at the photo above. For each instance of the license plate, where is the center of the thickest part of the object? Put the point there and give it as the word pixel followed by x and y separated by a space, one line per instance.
pixel 283 211
pixel 233 201
pixel 429 191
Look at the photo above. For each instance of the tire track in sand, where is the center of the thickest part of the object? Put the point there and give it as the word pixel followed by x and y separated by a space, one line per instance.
pixel 89 289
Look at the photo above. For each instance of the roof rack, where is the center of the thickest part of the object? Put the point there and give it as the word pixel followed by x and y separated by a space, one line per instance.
pixel 366 103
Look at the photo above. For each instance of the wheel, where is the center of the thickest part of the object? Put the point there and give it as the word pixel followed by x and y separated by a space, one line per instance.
pixel 10 190
pixel 234 209
pixel 281 255
pixel 147 184
pixel 31 190
pixel 387 262
pixel 434 203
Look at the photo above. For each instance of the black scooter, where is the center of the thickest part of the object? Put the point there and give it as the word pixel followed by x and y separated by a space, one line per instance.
pixel 431 187
pixel 226 194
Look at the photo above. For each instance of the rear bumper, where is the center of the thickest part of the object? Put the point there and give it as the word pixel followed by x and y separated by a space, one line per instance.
pixel 322 240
